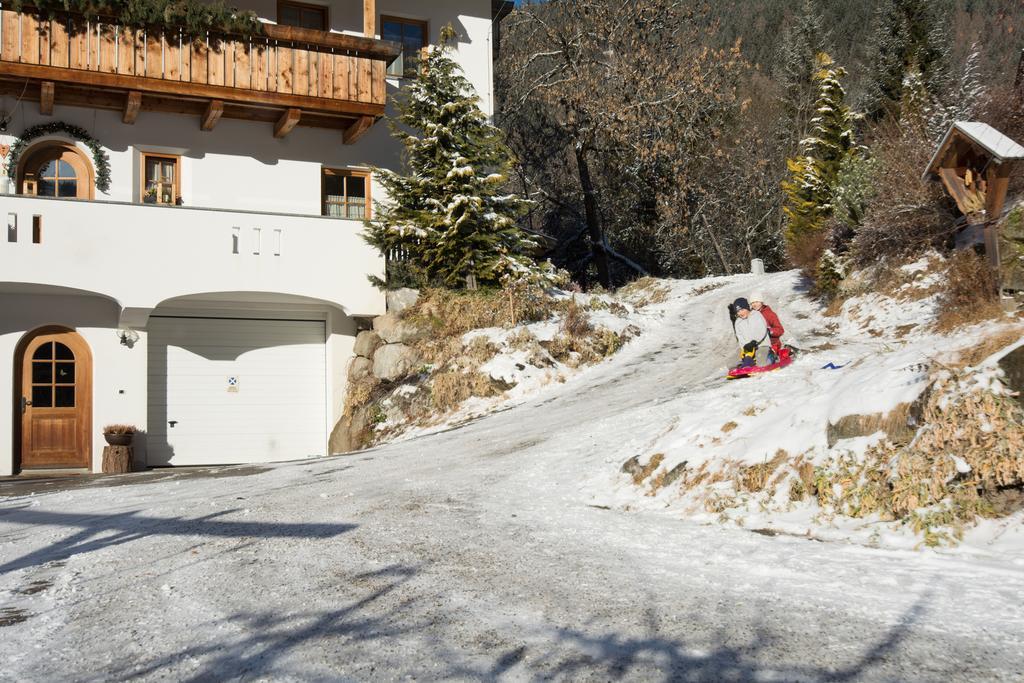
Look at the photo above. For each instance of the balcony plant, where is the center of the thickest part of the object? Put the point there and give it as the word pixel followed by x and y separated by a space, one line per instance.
pixel 4 180
pixel 119 435
pixel 195 17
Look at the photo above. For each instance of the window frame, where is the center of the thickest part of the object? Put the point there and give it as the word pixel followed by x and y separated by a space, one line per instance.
pixel 423 23
pixel 347 173
pixel 57 150
pixel 144 157
pixel 324 10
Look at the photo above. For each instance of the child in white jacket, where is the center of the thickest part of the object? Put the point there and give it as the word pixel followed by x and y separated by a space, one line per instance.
pixel 752 333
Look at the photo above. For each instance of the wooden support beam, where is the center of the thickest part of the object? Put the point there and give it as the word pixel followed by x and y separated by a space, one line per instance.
pixel 214 110
pixel 46 98
pixel 132 105
pixel 369 18
pixel 357 129
pixel 289 119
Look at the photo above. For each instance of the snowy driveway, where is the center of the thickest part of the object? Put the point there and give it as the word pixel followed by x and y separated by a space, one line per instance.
pixel 474 554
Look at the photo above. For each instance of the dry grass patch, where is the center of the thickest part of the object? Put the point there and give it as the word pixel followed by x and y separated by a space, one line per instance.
pixel 450 388
pixel 755 478
pixel 970 294
pixel 729 426
pixel 990 344
pixel 645 291
pixel 646 471
pixel 968 451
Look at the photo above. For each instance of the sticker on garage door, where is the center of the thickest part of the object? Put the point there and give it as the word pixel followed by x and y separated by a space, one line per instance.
pixel 233 384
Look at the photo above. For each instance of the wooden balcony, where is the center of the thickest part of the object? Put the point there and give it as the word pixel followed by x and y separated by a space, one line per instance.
pixel 287 76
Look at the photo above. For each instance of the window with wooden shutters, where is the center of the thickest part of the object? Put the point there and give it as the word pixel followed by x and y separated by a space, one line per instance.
pixel 346 194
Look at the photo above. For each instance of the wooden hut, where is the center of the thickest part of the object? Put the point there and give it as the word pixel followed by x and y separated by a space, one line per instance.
pixel 974 162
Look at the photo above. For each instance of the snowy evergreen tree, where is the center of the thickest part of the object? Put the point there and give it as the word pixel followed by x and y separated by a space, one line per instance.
pixel 447 215
pixel 906 33
pixel 802 42
pixel 814 173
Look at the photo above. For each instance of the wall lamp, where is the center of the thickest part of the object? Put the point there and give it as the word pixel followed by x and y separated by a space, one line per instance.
pixel 128 337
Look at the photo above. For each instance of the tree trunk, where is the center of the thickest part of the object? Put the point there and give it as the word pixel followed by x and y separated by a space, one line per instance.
pixel 593 219
pixel 717 246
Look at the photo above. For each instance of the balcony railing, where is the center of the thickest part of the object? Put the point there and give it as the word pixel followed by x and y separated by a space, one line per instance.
pixel 143 254
pixel 287 75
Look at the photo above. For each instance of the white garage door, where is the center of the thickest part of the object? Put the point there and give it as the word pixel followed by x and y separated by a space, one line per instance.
pixel 233 391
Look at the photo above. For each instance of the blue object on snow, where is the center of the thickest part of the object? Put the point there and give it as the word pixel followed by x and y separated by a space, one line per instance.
pixel 832 366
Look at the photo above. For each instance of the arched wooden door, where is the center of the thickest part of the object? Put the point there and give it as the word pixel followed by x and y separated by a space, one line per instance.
pixel 55 400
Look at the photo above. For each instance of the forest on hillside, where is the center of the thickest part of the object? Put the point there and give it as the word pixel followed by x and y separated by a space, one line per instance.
pixel 681 139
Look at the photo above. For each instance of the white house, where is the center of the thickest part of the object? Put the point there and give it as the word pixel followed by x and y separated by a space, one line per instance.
pixel 182 248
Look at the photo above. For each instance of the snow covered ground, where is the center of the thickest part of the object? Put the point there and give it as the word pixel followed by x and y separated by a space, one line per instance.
pixel 501 549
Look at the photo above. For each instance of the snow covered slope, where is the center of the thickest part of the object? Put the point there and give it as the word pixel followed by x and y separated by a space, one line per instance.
pixel 484 552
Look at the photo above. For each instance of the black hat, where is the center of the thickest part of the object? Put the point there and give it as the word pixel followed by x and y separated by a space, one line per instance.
pixel 741 304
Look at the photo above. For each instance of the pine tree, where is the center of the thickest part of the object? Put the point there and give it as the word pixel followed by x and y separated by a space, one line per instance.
pixel 814 173
pixel 447 214
pixel 801 44
pixel 905 33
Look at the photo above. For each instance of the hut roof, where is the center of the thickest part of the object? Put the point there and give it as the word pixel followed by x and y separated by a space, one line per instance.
pixel 1000 147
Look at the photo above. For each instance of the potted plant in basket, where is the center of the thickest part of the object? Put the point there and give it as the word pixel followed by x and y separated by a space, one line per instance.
pixel 119 435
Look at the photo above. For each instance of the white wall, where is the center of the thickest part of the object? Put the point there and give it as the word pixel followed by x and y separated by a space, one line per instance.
pixel 142 255
pixel 116 368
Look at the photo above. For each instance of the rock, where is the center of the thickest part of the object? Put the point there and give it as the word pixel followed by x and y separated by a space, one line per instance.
pixel 1013 365
pixel 349 434
pixel 394 330
pixel 632 467
pixel 673 475
pixel 367 342
pixel 400 299
pixel 899 424
pixel 393 362
pixel 360 368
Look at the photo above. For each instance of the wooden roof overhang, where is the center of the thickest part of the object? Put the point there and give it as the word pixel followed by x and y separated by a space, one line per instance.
pixel 974 162
pixel 286 76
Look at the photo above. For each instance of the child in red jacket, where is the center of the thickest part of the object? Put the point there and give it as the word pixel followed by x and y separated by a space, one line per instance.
pixel 775 329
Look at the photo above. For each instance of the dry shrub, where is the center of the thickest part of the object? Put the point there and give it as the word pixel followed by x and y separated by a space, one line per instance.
pixel 971 294
pixel 480 350
pixel 805 254
pixel 968 451
pixel 576 322
pixel 450 313
pixel 989 345
pixel 704 289
pixel 450 388
pixel 646 471
pixel 590 347
pixel 907 214
pixel 645 291
pixel 729 426
pixel 754 478
pixel 361 393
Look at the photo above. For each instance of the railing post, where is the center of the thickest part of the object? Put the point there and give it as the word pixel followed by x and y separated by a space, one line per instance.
pixel 369 18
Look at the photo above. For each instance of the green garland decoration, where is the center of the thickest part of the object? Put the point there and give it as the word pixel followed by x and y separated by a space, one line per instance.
pixel 99 155
pixel 196 17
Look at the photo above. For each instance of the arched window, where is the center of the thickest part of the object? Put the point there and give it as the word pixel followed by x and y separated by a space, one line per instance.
pixel 55 169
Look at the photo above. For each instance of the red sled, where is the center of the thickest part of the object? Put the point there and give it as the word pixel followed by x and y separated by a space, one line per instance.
pixel 739 373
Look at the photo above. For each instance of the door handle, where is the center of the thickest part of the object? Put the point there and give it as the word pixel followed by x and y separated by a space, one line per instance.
pixel 25 403
pixel 172 423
